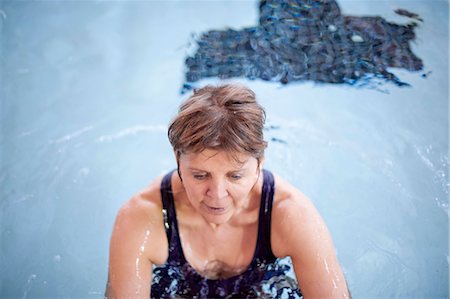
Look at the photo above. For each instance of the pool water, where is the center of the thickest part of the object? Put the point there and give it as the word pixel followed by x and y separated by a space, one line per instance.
pixel 89 87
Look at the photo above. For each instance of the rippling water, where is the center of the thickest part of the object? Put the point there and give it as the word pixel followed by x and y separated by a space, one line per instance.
pixel 89 87
pixel 307 40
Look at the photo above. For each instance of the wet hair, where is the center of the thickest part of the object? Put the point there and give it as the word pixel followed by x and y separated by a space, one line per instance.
pixel 225 117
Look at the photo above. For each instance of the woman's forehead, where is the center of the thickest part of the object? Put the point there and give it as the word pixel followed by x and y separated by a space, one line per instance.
pixel 211 156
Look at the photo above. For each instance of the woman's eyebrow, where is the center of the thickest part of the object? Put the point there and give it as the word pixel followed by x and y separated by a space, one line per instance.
pixel 236 170
pixel 196 169
pixel 240 170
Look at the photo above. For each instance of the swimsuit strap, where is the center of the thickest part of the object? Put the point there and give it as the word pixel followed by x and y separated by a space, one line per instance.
pixel 170 219
pixel 264 247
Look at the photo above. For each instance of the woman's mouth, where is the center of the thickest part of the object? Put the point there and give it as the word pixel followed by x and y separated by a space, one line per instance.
pixel 214 210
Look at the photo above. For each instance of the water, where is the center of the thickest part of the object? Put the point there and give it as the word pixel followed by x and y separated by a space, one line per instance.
pixel 307 40
pixel 88 89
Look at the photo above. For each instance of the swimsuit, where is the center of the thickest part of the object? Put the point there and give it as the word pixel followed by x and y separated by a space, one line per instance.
pixel 177 278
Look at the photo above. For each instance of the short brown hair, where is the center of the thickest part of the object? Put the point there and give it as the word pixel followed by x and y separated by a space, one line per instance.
pixel 225 117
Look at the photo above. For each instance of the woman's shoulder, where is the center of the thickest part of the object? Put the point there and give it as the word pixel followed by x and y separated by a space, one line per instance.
pixel 286 195
pixel 292 212
pixel 140 219
pixel 144 205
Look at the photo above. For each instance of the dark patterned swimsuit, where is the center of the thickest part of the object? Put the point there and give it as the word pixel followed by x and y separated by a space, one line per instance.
pixel 177 278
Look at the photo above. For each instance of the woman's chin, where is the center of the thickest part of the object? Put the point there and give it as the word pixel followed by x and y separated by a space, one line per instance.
pixel 216 216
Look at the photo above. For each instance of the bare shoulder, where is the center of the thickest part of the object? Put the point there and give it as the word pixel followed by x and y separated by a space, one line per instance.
pixel 138 241
pixel 143 204
pixel 290 201
pixel 139 221
pixel 286 194
pixel 293 214
pixel 298 231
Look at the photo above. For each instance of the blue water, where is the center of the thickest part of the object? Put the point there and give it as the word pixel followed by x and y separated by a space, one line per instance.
pixel 87 90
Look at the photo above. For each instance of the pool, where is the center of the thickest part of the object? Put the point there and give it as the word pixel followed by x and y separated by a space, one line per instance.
pixel 89 87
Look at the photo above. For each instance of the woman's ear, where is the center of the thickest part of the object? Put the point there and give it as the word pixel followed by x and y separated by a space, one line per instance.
pixel 177 157
pixel 261 161
pixel 179 173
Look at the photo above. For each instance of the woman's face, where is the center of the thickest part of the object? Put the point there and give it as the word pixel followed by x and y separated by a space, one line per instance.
pixel 217 185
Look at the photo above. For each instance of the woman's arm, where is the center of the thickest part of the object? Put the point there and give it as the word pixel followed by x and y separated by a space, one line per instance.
pixel 137 242
pixel 299 232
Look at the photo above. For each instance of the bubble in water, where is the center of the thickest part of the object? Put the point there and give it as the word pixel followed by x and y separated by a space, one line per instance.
pixel 357 38
pixel 84 171
pixel 332 28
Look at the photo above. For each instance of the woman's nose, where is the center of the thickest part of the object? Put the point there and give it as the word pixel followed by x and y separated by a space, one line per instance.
pixel 217 189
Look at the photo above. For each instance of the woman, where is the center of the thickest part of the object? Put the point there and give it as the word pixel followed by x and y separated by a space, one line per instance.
pixel 217 226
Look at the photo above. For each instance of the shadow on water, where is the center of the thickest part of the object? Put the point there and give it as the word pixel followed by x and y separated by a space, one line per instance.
pixel 307 40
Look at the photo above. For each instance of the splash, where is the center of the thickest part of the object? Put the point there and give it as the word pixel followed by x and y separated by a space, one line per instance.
pixel 28 285
pixel 131 132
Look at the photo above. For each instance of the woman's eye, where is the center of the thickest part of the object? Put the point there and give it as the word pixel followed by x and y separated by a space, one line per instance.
pixel 236 176
pixel 199 176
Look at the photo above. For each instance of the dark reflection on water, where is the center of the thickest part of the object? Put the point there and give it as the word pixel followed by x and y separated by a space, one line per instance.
pixel 307 40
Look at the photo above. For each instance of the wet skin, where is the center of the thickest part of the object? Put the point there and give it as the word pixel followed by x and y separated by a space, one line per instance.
pixel 217 186
pixel 217 204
